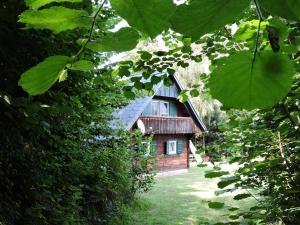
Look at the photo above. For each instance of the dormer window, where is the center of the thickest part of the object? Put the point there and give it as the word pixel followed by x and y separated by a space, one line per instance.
pixel 155 108
pixel 160 108
pixel 164 108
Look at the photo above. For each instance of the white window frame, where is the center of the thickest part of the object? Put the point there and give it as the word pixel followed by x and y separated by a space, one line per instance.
pixel 168 109
pixel 158 107
pixel 169 147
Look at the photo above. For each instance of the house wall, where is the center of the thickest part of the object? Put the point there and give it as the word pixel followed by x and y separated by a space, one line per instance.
pixel 171 162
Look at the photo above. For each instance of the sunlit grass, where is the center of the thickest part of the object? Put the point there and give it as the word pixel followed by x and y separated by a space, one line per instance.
pixel 182 199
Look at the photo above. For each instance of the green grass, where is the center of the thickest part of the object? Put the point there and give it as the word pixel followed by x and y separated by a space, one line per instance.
pixel 182 199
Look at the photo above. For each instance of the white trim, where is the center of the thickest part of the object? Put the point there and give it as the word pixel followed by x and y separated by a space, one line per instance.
pixel 168 108
pixel 175 147
pixel 158 107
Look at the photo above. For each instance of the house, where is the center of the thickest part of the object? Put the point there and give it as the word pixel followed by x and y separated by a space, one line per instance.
pixel 171 122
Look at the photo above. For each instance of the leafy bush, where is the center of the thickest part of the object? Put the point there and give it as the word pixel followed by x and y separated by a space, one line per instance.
pixel 54 168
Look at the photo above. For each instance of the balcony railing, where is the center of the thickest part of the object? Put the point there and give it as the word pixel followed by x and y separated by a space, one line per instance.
pixel 169 125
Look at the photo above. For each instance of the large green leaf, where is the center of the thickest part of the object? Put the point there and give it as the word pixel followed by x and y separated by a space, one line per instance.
pixel 201 17
pixel 41 77
pixel 81 65
pixel 35 4
pixel 56 18
pixel 237 85
pixel 288 9
pixel 148 16
pixel 123 40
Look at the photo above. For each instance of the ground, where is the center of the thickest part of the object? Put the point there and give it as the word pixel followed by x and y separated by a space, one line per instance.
pixel 182 199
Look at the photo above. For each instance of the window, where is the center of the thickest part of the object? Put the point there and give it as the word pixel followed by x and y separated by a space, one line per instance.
pixel 174 147
pixel 171 148
pixel 164 108
pixel 155 108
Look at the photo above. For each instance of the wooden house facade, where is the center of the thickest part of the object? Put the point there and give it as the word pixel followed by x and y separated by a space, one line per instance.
pixel 171 123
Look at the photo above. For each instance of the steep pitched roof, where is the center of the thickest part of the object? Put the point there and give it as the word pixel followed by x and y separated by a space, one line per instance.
pixel 127 116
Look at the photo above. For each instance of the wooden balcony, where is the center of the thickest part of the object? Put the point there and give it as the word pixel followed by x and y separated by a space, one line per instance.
pixel 169 125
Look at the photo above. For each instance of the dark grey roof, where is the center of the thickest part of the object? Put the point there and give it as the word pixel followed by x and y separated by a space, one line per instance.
pixel 127 116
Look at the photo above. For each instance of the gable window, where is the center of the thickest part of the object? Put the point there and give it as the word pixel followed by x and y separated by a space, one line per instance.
pixel 164 108
pixel 155 108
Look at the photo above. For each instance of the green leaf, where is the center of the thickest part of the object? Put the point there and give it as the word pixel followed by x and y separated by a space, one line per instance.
pixel 288 9
pixel 241 196
pixel 168 82
pixel 247 31
pixel 233 217
pixel 215 205
pixel 63 75
pixel 170 71
pixel 201 17
pixel 123 40
pixel 233 209
pixel 202 165
pixel 35 4
pixel 237 85
pixel 145 55
pixel 224 183
pixel 255 208
pixel 214 174
pixel 194 93
pixel 56 18
pixel 148 16
pixel 41 77
pixel 81 65
pixel 183 97
pixel 129 94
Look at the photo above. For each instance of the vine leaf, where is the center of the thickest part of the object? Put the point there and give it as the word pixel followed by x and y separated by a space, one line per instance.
pixel 237 86
pixel 35 4
pixel 41 77
pixel 288 9
pixel 81 65
pixel 56 18
pixel 148 16
pixel 201 17
pixel 123 40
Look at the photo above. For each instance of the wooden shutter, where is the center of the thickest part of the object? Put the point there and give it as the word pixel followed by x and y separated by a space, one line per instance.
pixel 179 146
pixel 147 110
pixel 167 148
pixel 173 109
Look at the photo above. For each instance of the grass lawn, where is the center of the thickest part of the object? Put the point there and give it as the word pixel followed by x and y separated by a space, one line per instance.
pixel 182 199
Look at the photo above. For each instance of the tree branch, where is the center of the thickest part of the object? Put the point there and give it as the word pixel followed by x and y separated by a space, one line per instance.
pixel 260 17
pixel 288 113
pixel 90 31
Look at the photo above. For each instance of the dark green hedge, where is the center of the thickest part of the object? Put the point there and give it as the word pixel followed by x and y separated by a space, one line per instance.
pixel 53 167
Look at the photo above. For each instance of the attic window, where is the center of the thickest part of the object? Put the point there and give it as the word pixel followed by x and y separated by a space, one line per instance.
pixel 155 108
pixel 164 108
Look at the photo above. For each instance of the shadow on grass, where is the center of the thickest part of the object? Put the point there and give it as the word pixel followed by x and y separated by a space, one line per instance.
pixel 181 200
